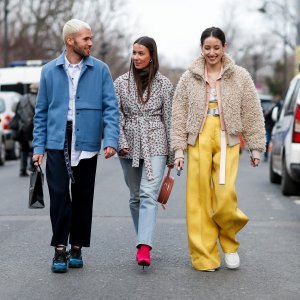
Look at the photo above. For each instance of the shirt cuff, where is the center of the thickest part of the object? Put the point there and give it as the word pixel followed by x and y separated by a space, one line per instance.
pixel 256 154
pixel 179 154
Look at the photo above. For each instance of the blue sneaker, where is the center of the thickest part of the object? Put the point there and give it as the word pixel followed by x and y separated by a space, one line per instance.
pixel 75 258
pixel 60 261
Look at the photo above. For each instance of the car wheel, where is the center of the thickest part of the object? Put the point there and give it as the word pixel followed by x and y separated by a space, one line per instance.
pixel 15 152
pixel 274 178
pixel 2 153
pixel 288 185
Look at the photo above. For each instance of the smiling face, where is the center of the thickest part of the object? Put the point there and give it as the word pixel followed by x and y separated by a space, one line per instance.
pixel 141 56
pixel 213 50
pixel 81 42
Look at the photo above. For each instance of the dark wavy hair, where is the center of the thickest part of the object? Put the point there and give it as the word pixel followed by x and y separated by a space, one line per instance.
pixel 150 44
pixel 215 32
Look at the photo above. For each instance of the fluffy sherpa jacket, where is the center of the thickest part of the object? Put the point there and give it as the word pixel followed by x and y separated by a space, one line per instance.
pixel 240 106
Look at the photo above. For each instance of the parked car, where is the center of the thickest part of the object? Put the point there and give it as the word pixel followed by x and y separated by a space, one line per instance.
pixel 285 148
pixel 10 99
pixel 2 137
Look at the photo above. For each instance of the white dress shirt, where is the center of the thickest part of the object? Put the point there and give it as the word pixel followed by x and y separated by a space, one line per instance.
pixel 73 72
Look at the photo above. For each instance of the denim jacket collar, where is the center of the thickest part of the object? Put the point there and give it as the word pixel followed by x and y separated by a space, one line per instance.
pixel 87 61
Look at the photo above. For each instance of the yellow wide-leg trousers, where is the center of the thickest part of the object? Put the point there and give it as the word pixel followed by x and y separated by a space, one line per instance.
pixel 212 212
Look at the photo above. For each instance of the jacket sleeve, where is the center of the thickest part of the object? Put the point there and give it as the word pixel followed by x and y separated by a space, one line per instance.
pixel 252 117
pixel 122 143
pixel 167 116
pixel 179 119
pixel 110 111
pixel 40 118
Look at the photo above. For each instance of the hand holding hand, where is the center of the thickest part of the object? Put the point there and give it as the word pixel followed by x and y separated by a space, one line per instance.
pixel 123 151
pixel 109 152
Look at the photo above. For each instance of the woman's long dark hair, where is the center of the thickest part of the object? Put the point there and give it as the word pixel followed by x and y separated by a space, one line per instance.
pixel 152 69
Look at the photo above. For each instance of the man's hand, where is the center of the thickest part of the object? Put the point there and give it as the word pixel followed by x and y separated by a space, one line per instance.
pixel 109 152
pixel 37 159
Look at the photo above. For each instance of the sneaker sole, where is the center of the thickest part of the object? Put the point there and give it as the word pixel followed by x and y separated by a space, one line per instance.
pixel 75 264
pixel 59 270
pixel 232 266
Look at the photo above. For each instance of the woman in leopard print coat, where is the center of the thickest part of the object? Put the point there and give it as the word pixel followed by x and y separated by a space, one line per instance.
pixel 145 100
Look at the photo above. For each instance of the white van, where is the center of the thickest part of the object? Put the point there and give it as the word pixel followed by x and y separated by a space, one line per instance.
pixel 18 79
pixel 285 142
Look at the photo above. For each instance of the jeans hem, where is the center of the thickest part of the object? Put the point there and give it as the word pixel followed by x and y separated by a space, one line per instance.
pixel 144 243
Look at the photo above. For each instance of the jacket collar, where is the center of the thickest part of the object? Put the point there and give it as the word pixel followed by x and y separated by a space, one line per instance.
pixel 87 61
pixel 198 67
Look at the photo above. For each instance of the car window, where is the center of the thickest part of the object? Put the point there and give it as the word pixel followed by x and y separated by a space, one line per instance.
pixel 291 105
pixel 2 105
pixel 266 105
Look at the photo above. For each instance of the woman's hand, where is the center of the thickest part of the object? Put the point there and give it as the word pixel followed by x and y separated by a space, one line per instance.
pixel 123 151
pixel 179 162
pixel 254 162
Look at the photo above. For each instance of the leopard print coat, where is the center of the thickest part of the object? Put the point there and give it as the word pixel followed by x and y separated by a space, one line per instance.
pixel 145 127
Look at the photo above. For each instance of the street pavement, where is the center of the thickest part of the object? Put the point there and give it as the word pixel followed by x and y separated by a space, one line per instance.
pixel 270 245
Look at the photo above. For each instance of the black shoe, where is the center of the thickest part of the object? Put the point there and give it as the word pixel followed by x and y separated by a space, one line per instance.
pixel 75 258
pixel 60 261
pixel 24 174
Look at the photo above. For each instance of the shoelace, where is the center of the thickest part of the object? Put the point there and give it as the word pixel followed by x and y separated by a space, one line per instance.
pixel 76 253
pixel 60 255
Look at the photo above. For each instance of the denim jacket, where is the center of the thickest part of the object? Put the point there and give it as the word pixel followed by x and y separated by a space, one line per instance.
pixel 96 107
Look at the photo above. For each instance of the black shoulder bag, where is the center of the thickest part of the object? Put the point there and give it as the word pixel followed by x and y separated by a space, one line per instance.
pixel 36 195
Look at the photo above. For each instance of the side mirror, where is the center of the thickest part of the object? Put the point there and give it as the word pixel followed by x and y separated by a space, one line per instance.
pixel 275 114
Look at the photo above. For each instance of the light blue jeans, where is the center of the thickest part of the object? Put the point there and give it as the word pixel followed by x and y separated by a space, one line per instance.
pixel 143 196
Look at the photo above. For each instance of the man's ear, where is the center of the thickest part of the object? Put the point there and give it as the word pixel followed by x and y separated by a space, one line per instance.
pixel 69 41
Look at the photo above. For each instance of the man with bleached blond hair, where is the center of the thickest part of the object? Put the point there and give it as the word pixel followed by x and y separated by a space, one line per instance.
pixel 75 104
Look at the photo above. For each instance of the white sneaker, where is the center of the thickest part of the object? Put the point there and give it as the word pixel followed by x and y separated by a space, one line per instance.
pixel 232 260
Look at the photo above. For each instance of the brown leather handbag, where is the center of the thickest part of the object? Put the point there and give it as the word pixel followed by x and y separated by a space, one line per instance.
pixel 166 189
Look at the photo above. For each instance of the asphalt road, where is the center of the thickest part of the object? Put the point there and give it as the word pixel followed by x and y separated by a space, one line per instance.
pixel 270 245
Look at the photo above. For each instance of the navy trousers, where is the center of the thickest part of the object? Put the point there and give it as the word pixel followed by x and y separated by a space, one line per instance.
pixel 70 213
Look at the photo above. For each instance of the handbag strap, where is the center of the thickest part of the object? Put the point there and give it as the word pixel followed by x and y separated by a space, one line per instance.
pixel 38 167
pixel 169 171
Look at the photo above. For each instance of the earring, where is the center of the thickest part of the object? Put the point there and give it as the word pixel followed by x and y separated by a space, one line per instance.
pixel 150 60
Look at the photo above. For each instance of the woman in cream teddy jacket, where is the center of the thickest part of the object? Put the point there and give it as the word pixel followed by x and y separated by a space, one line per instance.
pixel 215 101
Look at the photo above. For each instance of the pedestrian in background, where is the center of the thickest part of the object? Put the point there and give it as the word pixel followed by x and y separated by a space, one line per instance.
pixel 214 102
pixel 76 96
pixel 145 99
pixel 23 132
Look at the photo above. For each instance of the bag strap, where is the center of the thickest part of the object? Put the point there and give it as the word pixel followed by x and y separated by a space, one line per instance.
pixel 38 168
pixel 169 171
